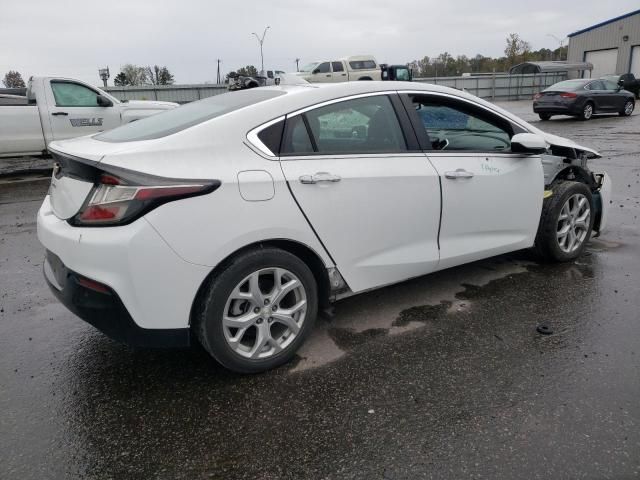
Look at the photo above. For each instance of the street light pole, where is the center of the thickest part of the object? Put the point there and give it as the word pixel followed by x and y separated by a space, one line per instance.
pixel 561 42
pixel 261 41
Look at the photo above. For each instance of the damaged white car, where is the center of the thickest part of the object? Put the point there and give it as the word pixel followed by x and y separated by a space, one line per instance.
pixel 234 219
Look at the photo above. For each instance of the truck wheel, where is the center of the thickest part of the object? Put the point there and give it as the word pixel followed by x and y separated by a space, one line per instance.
pixel 257 311
pixel 627 110
pixel 565 223
pixel 365 78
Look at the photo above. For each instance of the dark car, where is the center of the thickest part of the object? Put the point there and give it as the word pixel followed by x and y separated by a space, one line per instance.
pixel 583 98
pixel 628 81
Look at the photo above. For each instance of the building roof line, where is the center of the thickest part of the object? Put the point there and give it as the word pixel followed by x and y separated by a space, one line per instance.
pixel 606 22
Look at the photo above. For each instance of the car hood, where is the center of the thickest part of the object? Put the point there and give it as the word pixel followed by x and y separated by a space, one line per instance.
pixel 565 142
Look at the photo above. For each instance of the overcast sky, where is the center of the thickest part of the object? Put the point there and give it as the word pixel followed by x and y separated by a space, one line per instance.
pixel 74 38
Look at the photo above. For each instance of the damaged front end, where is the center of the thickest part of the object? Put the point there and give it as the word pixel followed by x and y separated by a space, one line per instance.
pixel 567 160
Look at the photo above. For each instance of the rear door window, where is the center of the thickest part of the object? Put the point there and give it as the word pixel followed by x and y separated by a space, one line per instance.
pixel 358 126
pixel 337 66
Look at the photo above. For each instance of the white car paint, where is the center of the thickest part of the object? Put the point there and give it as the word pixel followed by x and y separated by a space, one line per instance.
pixel 28 129
pixel 382 223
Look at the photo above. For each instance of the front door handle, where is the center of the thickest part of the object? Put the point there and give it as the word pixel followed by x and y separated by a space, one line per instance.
pixel 319 177
pixel 459 173
pixel 55 114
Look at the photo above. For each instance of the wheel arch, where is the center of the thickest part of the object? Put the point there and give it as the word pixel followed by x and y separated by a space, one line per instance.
pixel 305 253
pixel 574 173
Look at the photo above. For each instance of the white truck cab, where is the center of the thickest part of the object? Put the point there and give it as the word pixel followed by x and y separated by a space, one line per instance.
pixel 60 108
pixel 360 67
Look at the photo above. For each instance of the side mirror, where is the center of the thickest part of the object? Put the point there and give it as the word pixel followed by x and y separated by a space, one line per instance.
pixel 104 101
pixel 528 143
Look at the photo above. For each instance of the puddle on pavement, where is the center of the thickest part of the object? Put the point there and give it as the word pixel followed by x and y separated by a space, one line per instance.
pixel 415 304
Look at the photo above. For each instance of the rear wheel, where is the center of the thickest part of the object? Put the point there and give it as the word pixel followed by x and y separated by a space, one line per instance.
pixel 256 313
pixel 544 116
pixel 627 110
pixel 566 222
pixel 587 111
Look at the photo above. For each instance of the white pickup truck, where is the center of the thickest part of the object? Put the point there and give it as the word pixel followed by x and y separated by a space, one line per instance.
pixel 362 67
pixel 60 108
pixel 349 69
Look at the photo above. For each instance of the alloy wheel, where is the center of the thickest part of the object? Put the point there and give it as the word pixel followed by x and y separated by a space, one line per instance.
pixel 628 108
pixel 573 223
pixel 588 111
pixel 264 313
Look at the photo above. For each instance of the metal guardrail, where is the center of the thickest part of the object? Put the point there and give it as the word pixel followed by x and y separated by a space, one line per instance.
pixel 497 86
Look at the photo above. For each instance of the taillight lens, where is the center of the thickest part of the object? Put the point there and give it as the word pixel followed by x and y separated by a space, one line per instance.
pixel 537 96
pixel 568 95
pixel 114 201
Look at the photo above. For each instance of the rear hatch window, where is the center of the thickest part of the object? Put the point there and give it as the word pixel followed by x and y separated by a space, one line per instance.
pixel 172 121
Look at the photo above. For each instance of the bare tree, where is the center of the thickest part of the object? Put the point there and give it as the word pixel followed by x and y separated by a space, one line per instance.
pixel 516 49
pixel 13 79
pixel 134 74
pixel 157 75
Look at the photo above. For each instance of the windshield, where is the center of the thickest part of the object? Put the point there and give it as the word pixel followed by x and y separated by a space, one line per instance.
pixel 568 85
pixel 309 67
pixel 172 121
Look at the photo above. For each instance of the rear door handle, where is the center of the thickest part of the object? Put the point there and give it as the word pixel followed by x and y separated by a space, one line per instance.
pixel 459 173
pixel 55 114
pixel 319 177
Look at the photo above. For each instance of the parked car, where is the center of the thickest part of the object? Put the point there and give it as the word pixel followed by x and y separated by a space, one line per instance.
pixel 583 98
pixel 234 219
pixel 628 81
pixel 60 108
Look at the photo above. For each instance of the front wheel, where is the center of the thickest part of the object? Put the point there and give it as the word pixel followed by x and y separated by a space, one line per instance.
pixel 257 311
pixel 627 110
pixel 566 222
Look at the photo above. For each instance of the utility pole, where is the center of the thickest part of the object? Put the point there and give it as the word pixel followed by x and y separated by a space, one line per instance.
pixel 218 76
pixel 297 64
pixel 261 41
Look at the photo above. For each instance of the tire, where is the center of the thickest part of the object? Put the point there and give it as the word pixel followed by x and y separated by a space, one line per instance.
pixel 544 116
pixel 627 110
pixel 549 245
pixel 587 111
pixel 243 350
pixel 365 78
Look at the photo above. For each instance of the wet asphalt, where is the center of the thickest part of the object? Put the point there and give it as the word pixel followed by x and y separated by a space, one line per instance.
pixel 443 377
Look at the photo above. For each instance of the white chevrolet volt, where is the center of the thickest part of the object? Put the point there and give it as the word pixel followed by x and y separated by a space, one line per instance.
pixel 233 220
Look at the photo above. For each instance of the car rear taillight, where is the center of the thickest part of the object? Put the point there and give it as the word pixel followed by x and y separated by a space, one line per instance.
pixel 568 95
pixel 116 200
pixel 537 96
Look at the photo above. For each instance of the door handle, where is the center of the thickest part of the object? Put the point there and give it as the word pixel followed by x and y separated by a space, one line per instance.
pixel 319 177
pixel 328 75
pixel 459 173
pixel 55 114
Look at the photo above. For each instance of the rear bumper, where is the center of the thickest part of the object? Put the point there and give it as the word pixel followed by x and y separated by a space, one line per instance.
pixel 553 109
pixel 151 287
pixel 104 310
